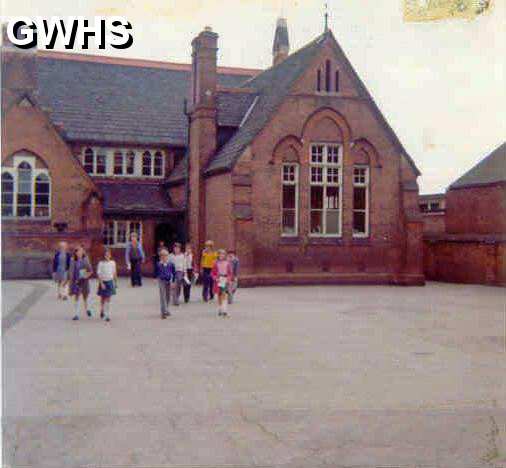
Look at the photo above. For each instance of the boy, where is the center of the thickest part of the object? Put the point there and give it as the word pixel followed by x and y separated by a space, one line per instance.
pixel 234 263
pixel 207 261
pixel 166 276
pixel 179 260
pixel 61 265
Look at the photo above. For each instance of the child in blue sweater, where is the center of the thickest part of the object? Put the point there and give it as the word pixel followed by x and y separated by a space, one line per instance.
pixel 166 277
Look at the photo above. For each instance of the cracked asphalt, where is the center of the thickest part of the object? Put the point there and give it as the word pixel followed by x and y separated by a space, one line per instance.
pixel 300 377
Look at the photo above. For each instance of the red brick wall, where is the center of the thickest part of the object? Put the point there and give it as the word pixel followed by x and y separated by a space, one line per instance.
pixel 465 262
pixel 478 210
pixel 434 223
pixel 300 120
pixel 219 226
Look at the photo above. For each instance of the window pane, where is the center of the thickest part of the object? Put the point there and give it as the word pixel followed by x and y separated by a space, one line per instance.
pixel 332 221
pixel 101 163
pixel 316 198
pixel 88 161
pixel 333 154
pixel 317 154
pixel 289 196
pixel 359 222
pixel 42 199
pixel 135 226
pixel 288 173
pixel 158 164
pixel 24 210
pixel 7 210
pixel 288 221
pixel 121 232
pixel 130 163
pixel 359 198
pixel 7 194
pixel 333 175
pixel 7 198
pixel 108 233
pixel 332 198
pixel 118 163
pixel 316 175
pixel 316 222
pixel 146 164
pixel 24 198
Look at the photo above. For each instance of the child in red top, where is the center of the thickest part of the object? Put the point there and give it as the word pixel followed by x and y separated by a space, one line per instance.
pixel 222 275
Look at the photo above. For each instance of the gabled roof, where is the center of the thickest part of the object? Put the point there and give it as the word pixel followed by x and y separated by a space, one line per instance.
pixel 489 170
pixel 122 101
pixel 135 198
pixel 273 86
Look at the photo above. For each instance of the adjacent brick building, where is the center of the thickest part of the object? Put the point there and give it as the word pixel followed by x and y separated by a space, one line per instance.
pixel 472 248
pixel 294 167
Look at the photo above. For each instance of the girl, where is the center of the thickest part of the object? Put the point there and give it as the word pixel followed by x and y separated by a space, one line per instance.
pixel 107 278
pixel 187 283
pixel 222 276
pixel 61 264
pixel 80 272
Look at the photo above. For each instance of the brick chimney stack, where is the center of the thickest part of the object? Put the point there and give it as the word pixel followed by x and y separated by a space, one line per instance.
pixel 203 128
pixel 281 46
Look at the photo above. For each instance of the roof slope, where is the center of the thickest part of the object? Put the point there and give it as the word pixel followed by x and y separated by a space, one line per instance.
pixel 273 86
pixel 489 170
pixel 135 198
pixel 118 103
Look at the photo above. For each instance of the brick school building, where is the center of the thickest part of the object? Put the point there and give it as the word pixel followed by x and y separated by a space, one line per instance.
pixel 294 167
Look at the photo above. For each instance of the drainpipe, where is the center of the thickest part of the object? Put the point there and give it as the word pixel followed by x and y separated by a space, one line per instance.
pixel 187 177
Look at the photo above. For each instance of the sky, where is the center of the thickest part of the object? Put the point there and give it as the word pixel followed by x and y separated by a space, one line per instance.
pixel 441 85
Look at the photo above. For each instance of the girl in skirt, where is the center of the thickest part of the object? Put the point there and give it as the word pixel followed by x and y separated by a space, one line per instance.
pixel 222 277
pixel 80 272
pixel 107 278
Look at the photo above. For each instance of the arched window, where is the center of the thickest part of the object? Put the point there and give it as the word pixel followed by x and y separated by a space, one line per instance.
pixel 146 163
pixel 158 167
pixel 42 193
pixel 88 163
pixel 7 194
pixel 327 76
pixel 319 80
pixel 130 163
pixel 290 199
pixel 24 190
pixel 118 163
pixel 336 81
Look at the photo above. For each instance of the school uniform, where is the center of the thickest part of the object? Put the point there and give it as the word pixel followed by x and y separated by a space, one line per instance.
pixel 61 265
pixel 187 282
pixel 134 256
pixel 179 263
pixel 106 273
pixel 79 282
pixel 166 276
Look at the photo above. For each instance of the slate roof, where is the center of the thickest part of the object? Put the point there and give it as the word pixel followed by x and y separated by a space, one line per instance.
pixel 120 103
pixel 232 107
pixel 489 170
pixel 272 87
pixel 135 198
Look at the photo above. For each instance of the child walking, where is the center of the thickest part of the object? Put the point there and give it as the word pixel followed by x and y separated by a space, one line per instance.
pixel 234 262
pixel 61 265
pixel 80 272
pixel 166 277
pixel 107 278
pixel 179 260
pixel 188 279
pixel 222 278
pixel 206 263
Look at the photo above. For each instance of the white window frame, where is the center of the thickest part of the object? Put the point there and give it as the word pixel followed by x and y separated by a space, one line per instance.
pixel 109 154
pixel 128 232
pixel 18 159
pixel 295 183
pixel 325 165
pixel 366 185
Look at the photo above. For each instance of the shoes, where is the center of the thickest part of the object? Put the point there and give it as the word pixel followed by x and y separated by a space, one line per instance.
pixel 107 319
pixel 76 317
pixel 89 314
pixel 102 315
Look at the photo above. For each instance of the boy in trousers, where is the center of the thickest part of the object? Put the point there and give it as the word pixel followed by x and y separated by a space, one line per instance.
pixel 207 261
pixel 234 263
pixel 166 277
pixel 134 258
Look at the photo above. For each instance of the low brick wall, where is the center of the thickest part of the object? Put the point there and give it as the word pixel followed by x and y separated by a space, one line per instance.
pixel 478 259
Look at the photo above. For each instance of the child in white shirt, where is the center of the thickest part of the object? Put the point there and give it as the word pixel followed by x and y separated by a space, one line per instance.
pixel 107 277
